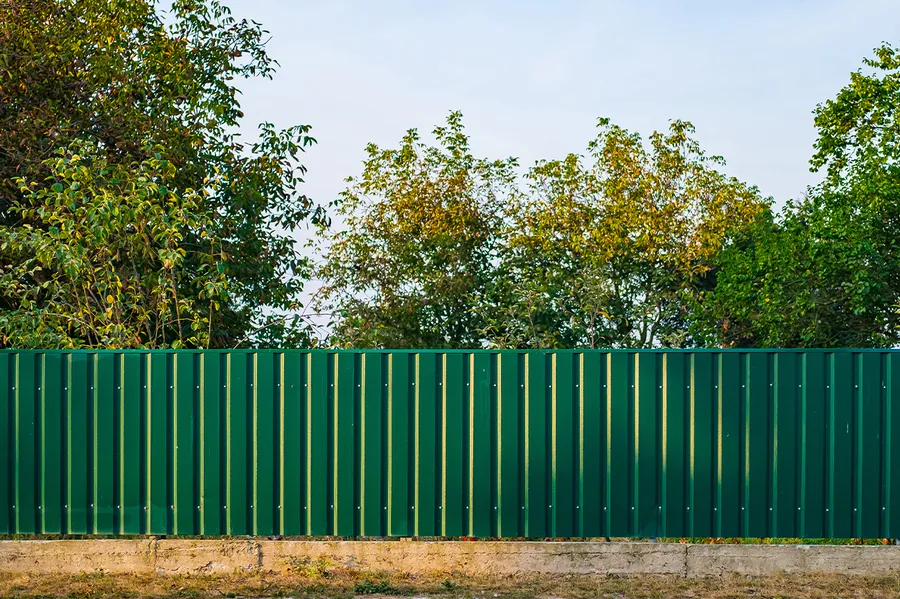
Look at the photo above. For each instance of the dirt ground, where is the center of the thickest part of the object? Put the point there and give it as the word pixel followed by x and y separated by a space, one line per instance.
pixel 321 579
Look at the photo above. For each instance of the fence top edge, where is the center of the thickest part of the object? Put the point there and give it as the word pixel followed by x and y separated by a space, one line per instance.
pixel 847 350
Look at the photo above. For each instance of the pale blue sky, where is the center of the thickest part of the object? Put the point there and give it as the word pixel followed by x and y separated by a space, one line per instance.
pixel 532 77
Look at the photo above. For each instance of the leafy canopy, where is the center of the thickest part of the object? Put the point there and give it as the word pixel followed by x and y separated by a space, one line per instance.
pixel 124 119
pixel 607 248
pixel 826 271
pixel 443 249
pixel 417 255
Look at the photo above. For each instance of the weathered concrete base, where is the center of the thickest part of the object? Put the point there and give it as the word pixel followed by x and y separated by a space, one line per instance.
pixel 171 556
pixel 485 557
pixel 756 560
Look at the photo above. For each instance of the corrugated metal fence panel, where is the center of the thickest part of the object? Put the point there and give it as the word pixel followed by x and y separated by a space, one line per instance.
pixel 483 444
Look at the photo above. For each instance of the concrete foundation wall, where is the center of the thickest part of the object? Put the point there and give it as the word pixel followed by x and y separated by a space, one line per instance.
pixel 165 556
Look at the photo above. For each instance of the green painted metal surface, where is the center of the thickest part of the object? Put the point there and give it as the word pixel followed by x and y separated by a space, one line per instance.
pixel 483 444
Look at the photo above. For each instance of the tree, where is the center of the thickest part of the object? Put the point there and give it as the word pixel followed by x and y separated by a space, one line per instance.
pixel 99 258
pixel 112 109
pixel 608 250
pixel 857 207
pixel 416 261
pixel 826 272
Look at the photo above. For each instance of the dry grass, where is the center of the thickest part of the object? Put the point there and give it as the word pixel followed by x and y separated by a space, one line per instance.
pixel 322 579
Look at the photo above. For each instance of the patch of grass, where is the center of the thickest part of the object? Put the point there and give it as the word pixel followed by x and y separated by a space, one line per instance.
pixel 311 568
pixel 373 587
pixel 343 583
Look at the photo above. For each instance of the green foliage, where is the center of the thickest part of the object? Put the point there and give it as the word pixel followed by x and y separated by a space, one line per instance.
pixel 373 587
pixel 417 257
pixel 607 249
pixel 805 279
pixel 133 215
pixel 136 94
pixel 826 271
pixel 99 258
pixel 633 244
pixel 442 249
pixel 313 569
pixel 859 129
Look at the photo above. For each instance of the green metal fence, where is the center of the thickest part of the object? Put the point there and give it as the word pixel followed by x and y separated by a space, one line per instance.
pixel 429 443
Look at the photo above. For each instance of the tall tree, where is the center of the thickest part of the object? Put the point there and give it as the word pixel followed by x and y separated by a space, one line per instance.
pixel 118 123
pixel 858 205
pixel 607 249
pixel 826 272
pixel 416 260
